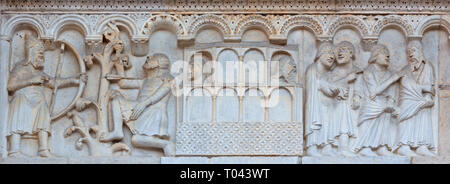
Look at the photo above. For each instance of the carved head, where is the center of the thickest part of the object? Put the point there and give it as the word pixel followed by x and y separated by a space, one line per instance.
pixel 415 54
pixel 380 55
pixel 118 46
pixel 157 61
pixel 345 52
pixel 325 55
pixel 288 69
pixel 198 69
pixel 35 52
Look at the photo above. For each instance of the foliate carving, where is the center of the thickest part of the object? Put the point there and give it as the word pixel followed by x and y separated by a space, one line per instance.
pixel 229 138
pixel 302 21
pixel 164 21
pixel 348 21
pixel 255 21
pixel 209 19
pixel 233 5
pixel 393 20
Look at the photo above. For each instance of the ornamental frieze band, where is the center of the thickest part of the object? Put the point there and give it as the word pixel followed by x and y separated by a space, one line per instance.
pixel 263 81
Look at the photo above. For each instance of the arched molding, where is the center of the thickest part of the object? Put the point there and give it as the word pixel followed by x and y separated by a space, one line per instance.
pixel 349 22
pixel 10 26
pixel 67 21
pixel 393 21
pixel 209 20
pixel 301 21
pixel 164 21
pixel 432 22
pixel 119 20
pixel 255 21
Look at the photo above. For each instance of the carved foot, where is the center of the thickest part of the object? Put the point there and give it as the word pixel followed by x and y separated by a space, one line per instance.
pixel 424 151
pixel 406 151
pixel 17 154
pixel 367 152
pixel 45 153
pixel 312 151
pixel 383 151
pixel 169 150
pixel 109 137
pixel 328 151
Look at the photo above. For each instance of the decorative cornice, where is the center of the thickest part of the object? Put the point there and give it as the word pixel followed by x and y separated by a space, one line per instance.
pixel 232 6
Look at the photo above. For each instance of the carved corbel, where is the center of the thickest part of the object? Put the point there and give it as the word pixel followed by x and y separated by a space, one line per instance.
pixel 231 38
pixel 93 42
pixel 185 41
pixel 325 38
pixel 278 39
pixel 369 42
pixel 49 43
pixel 139 45
pixel 414 37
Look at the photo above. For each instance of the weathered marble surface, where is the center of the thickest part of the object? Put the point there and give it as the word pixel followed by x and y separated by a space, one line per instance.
pixel 230 160
pixel 356 160
pixel 110 88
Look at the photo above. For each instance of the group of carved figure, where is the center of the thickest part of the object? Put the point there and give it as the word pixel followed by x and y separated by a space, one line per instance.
pixel 30 113
pixel 371 112
pixel 394 108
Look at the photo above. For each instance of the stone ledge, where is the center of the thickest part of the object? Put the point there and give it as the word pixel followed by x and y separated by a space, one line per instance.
pixel 356 160
pixel 83 160
pixel 431 160
pixel 230 160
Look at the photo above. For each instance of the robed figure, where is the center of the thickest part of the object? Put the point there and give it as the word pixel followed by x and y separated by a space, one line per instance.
pixel 345 74
pixel 147 115
pixel 319 94
pixel 377 128
pixel 416 102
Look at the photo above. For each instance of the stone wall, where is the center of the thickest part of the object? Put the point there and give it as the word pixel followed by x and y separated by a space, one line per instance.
pixel 119 80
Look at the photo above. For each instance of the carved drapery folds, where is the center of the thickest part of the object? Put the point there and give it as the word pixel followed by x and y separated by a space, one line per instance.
pixel 114 82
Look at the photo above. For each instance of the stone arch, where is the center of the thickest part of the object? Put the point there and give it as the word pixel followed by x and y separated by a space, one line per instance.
pixel 301 21
pixel 200 107
pixel 432 22
pixel 70 20
pixel 393 21
pixel 281 107
pixel 209 20
pixel 121 21
pixel 255 49
pixel 255 21
pixel 168 22
pixel 227 105
pixel 12 24
pixel 349 21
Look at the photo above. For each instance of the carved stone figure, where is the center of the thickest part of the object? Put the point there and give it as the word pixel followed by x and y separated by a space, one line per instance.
pixel 343 127
pixel 376 124
pixel 416 102
pixel 319 94
pixel 29 112
pixel 288 70
pixel 112 57
pixel 147 115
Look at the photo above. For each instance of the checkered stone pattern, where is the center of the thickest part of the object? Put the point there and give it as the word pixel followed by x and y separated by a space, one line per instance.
pixel 242 138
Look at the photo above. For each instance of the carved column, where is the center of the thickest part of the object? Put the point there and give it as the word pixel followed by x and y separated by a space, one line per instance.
pixel 4 70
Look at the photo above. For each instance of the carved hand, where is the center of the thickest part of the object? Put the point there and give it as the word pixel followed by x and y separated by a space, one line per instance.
pixel 355 102
pixel 83 77
pixel 395 111
pixel 351 78
pixel 137 111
